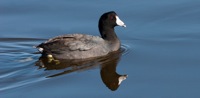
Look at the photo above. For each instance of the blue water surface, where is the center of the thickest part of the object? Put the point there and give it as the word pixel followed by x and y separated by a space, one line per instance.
pixel 161 43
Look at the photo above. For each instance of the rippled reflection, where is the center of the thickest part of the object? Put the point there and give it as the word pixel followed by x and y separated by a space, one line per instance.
pixel 108 65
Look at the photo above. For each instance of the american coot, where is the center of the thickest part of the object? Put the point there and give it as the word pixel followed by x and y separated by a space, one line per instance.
pixel 81 46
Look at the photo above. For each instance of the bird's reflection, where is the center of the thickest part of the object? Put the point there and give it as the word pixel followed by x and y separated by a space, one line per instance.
pixel 107 64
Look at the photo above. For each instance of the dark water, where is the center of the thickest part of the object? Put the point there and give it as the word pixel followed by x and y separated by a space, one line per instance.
pixel 161 42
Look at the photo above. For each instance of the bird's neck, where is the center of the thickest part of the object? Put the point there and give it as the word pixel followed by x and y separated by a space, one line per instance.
pixel 109 35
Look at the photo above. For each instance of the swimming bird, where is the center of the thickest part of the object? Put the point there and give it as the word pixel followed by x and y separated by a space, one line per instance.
pixel 82 46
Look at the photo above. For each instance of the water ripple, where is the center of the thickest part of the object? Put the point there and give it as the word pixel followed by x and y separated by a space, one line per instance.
pixel 18 62
pixel 125 48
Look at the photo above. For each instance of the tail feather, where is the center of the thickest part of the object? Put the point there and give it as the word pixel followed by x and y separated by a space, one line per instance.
pixel 40 49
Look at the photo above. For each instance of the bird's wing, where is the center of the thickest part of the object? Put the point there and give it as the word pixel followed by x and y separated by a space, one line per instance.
pixel 71 42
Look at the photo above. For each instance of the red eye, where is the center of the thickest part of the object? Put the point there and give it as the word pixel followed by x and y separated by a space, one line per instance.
pixel 111 17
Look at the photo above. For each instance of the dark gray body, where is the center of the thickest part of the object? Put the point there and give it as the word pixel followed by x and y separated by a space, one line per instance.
pixel 77 46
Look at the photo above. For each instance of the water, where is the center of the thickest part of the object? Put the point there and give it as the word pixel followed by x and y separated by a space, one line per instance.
pixel 161 40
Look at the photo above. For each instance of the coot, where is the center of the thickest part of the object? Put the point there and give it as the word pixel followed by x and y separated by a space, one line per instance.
pixel 81 46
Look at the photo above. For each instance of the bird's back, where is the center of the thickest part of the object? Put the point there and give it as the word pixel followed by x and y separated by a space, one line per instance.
pixel 74 46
